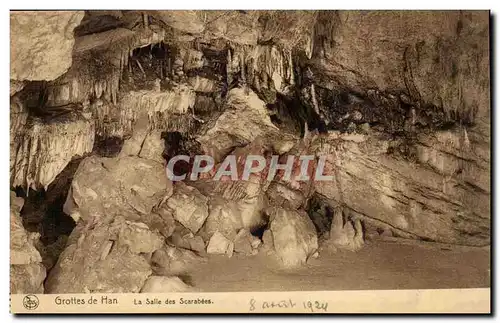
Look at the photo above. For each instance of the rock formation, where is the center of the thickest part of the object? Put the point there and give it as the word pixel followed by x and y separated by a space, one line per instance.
pixel 396 102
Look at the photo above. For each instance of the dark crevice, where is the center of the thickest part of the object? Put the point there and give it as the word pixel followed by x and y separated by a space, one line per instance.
pixel 108 147
pixel 42 211
pixel 321 214
pixel 259 229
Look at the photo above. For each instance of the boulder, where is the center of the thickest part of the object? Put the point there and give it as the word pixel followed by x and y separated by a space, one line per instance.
pixel 280 194
pixel 152 147
pixel 108 256
pixel 189 206
pixel 128 186
pixel 165 284
pixel 22 243
pixel 27 272
pixel 245 243
pixel 41 43
pixel 244 119
pixel 224 217
pixel 27 279
pixel 220 245
pixel 175 261
pixel 294 236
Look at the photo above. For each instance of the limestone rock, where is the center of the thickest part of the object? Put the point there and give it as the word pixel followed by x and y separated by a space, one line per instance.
pixel 16 86
pixel 165 284
pixel 183 238
pixel 189 21
pixel 224 217
pixel 203 84
pixel 104 257
pixel 432 203
pixel 235 26
pixel 437 48
pixel 346 234
pixel 245 242
pixel 220 245
pixel 152 147
pixel 27 279
pixel 267 240
pixel 139 239
pixel 294 236
pixel 128 186
pixel 160 220
pixel 40 151
pixel 41 43
pixel 244 120
pixel 175 261
pixel 282 195
pixel 27 272
pixel 22 248
pixel 189 206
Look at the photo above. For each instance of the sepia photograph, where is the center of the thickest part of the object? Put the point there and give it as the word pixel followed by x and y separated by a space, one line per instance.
pixel 221 161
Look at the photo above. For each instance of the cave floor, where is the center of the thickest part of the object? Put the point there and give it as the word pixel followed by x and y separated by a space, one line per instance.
pixel 379 265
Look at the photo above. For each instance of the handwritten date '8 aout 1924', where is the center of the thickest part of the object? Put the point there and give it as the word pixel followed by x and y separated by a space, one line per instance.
pixel 312 306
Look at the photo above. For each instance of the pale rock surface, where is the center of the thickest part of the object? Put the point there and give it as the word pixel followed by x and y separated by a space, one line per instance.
pixel 244 119
pixel 438 203
pixel 224 217
pixel 184 238
pixel 40 151
pixel 220 245
pixel 280 194
pixel 203 84
pixel 189 206
pixel 127 186
pixel 27 279
pixel 41 43
pixel 175 261
pixel 105 257
pixel 188 21
pixel 152 147
pixel 346 234
pixel 27 272
pixel 294 236
pixel 145 142
pixel 165 284
pixel 245 243
pixel 237 27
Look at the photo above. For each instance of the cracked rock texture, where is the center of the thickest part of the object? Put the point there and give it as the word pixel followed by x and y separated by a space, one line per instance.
pixel 41 43
pixel 127 186
pixel 91 251
pixel 397 102
pixel 27 272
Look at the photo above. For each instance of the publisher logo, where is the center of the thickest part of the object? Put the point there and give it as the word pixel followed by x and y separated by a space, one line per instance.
pixel 30 302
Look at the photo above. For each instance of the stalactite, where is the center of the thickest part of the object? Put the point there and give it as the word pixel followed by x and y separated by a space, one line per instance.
pixel 313 99
pixel 42 150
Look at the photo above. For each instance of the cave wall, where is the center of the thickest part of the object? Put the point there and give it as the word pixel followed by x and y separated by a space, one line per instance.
pixel 401 99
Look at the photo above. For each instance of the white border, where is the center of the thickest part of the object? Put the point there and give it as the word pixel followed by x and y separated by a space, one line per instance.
pixel 254 4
